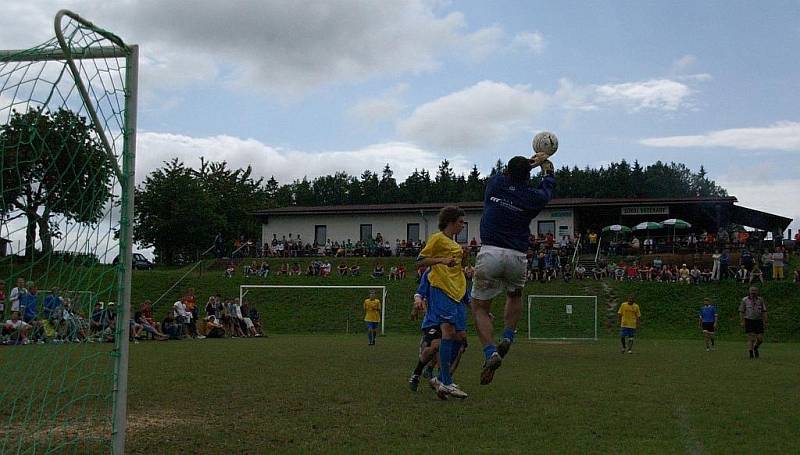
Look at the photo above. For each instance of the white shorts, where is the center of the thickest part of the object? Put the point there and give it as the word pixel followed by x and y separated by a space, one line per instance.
pixel 15 305
pixel 498 269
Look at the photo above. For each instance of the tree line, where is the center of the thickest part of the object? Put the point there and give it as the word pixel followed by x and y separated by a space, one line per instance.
pixel 178 208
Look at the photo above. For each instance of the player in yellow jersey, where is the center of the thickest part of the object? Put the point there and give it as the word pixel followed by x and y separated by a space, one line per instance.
pixel 372 316
pixel 447 288
pixel 629 317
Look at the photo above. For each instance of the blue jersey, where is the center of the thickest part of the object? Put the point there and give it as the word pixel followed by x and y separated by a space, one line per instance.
pixel 508 208
pixel 31 305
pixel 708 313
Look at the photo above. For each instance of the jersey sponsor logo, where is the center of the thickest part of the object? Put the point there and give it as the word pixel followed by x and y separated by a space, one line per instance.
pixel 505 203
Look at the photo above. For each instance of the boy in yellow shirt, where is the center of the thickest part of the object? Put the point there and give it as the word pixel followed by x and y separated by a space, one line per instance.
pixel 629 317
pixel 372 316
pixel 447 288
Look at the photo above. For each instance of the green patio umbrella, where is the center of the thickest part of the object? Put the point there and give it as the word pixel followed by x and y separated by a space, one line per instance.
pixel 676 223
pixel 648 226
pixel 616 228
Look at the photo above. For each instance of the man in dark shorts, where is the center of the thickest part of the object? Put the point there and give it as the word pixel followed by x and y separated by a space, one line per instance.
pixel 753 316
pixel 709 317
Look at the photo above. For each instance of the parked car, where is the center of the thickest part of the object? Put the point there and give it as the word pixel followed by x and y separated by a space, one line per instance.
pixel 138 261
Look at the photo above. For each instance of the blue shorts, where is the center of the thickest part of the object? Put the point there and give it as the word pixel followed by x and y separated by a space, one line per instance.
pixel 442 309
pixel 372 325
pixel 627 332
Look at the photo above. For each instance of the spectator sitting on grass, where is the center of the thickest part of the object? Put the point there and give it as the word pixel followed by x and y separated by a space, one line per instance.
pixel 632 272
pixel 310 270
pixel 325 269
pixel 705 274
pixel 295 269
pixel 393 272
pixel 757 274
pixel 741 274
pixel 684 275
pixel 580 272
pixel 355 270
pixel 16 329
pixel 264 270
pixel 284 270
pixel 343 269
pixel 171 328
pixel 140 319
pixel 230 270
pixel 256 318
pixel 135 330
pixel 213 328
pixel 598 272
pixel 378 272
pixel 401 272
pixel 645 272
pixel 695 274
pixel 796 276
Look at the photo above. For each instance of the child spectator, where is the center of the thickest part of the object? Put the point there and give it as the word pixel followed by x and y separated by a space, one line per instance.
pixel 393 273
pixel 229 271
pixel 401 272
pixel 17 329
pixel 343 269
pixel 378 272
pixel 355 270
pixel 213 328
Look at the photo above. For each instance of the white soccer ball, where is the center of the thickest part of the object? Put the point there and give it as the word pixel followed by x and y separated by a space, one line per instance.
pixel 545 142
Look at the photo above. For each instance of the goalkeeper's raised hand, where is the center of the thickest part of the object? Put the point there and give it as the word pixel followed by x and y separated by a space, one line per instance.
pixel 548 168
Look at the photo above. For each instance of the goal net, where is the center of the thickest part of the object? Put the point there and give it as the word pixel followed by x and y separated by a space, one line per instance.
pixel 285 307
pixel 67 140
pixel 562 317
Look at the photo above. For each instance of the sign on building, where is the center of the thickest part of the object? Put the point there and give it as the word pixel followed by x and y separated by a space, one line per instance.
pixel 644 210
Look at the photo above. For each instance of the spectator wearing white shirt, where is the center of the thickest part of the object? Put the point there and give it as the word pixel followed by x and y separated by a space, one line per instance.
pixel 17 293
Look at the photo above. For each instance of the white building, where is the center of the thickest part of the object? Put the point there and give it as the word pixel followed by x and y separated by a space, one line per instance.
pixel 412 222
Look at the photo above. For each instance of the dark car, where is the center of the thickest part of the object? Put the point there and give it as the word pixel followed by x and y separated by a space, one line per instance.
pixel 139 262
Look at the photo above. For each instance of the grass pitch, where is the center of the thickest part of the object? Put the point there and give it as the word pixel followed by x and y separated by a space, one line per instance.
pixel 333 393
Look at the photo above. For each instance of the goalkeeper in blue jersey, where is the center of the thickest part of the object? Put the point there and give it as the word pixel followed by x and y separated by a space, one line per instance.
pixel 509 205
pixel 432 334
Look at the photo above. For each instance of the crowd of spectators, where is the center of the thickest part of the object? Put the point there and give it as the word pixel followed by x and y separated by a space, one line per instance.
pixel 321 267
pixel 60 318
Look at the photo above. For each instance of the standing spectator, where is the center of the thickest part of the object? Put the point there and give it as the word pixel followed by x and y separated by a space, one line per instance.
pixel 372 316
pixel 16 293
pixel 724 263
pixel 777 264
pixel 29 303
pixel 766 265
pixel 715 275
pixel 2 299
pixel 709 319
pixel 746 259
pixel 629 317
pixel 753 317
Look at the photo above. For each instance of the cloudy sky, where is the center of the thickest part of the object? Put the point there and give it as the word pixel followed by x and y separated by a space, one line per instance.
pixel 302 88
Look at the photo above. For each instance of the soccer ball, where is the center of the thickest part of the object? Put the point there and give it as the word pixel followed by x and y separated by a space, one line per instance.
pixel 545 142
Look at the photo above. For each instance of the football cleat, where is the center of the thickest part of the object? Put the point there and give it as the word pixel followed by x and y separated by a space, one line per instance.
pixel 413 382
pixel 489 367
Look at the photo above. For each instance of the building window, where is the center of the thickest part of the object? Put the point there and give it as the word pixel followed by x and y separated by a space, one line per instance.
pixel 320 234
pixel 412 232
pixel 463 236
pixel 366 232
pixel 546 226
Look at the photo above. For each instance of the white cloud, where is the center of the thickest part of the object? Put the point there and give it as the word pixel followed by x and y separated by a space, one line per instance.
pixel 479 115
pixel 384 107
pixel 783 136
pixel 529 41
pixel 662 94
pixel 286 165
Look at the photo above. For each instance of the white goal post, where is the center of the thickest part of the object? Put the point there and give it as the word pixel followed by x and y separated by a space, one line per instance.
pixel 574 318
pixel 243 292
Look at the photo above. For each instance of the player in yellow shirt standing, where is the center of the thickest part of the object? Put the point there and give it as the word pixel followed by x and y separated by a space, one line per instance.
pixel 372 316
pixel 629 319
pixel 447 288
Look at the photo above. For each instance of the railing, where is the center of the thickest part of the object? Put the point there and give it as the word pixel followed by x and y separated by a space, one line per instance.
pixel 576 252
pixel 597 255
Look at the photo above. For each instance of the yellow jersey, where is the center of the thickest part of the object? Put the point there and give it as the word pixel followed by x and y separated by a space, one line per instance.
pixel 450 280
pixel 630 312
pixel 372 310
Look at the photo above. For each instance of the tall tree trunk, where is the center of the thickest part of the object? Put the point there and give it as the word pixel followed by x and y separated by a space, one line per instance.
pixel 44 232
pixel 30 234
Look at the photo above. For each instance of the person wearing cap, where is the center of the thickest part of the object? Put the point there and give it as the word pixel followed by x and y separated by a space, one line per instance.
pixel 753 317
pixel 510 203
pixel 709 319
pixel 372 316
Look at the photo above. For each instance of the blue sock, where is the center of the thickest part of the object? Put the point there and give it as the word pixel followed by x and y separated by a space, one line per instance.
pixel 456 349
pixel 489 350
pixel 369 336
pixel 445 354
pixel 508 333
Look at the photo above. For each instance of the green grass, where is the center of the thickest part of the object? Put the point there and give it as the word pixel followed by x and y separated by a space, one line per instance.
pixel 333 393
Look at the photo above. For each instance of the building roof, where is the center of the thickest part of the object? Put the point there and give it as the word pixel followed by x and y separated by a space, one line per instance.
pixel 477 206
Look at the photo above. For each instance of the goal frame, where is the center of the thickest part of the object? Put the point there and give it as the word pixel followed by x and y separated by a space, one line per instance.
pixel 532 297
pixel 300 286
